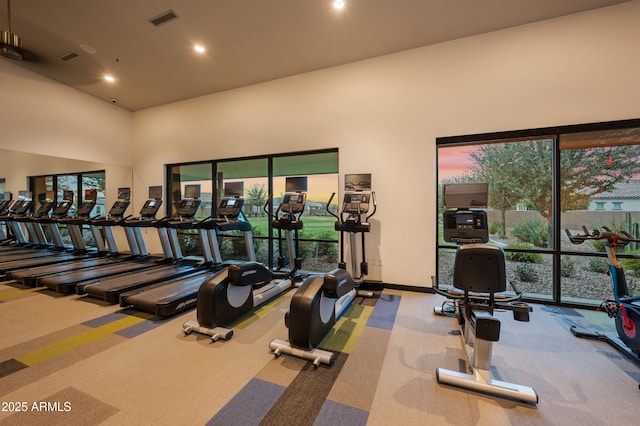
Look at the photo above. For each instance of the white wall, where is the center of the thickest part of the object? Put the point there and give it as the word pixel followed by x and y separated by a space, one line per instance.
pixel 41 116
pixel 383 114
pixel 46 127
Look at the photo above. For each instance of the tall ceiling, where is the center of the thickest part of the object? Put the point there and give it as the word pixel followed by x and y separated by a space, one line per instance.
pixel 246 41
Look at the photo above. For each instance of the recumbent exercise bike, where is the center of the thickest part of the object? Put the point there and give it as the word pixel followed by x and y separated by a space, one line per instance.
pixel 479 283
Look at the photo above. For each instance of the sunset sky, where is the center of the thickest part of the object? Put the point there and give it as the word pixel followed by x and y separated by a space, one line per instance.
pixel 453 162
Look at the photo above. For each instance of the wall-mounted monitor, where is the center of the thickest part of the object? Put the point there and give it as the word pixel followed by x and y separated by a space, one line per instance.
pixel 357 182
pixel 465 195
pixel 155 192
pixel 296 184
pixel 234 189
pixel 192 191
pixel 124 193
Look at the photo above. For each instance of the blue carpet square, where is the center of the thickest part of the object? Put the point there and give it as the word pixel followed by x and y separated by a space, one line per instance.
pixel 385 311
pixel 137 329
pixel 250 405
pixel 333 414
pixel 106 319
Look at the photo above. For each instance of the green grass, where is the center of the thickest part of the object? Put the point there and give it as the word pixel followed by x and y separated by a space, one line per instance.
pixel 313 226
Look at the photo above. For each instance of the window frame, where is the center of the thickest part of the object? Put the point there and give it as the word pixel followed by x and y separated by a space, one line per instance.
pixel 556 133
pixel 271 236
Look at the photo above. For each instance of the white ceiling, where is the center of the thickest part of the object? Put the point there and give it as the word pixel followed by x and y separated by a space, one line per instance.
pixel 247 41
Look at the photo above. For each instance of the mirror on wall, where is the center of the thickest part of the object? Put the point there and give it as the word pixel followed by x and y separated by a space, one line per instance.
pixel 17 166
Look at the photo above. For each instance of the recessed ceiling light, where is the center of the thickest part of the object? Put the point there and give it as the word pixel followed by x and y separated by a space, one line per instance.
pixel 88 48
pixel 199 48
pixel 338 4
pixel 109 78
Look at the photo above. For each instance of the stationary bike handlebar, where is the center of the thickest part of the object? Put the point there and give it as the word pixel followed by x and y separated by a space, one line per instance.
pixel 612 239
pixel 455 293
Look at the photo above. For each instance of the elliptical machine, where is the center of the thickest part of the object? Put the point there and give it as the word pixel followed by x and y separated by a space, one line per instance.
pixel 624 308
pixel 322 300
pixel 479 283
pixel 242 287
pixel 287 219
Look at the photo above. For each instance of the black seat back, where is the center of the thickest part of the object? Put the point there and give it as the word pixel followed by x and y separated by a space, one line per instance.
pixel 480 268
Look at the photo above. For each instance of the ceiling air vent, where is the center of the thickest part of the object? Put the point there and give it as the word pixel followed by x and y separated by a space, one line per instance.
pixel 164 18
pixel 69 56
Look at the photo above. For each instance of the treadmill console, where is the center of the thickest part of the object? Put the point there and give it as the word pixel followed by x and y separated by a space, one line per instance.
pixel 466 226
pixel 150 208
pixel 187 207
pixel 293 202
pixel 84 209
pixel 21 208
pixel 62 210
pixel 230 208
pixel 118 208
pixel 4 205
pixel 44 209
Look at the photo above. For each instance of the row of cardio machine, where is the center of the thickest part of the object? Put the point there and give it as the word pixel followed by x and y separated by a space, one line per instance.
pixel 163 285
pixel 221 291
pixel 42 243
pixel 319 300
pixel 103 272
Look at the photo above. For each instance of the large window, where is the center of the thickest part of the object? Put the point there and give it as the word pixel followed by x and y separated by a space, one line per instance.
pixel 260 177
pixel 542 183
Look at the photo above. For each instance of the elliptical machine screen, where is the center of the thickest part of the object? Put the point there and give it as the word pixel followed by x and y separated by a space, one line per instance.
pixel 293 203
pixel 356 202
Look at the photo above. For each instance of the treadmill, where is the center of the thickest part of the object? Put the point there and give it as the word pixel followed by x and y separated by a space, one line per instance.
pixel 25 245
pixel 172 297
pixel 107 250
pixel 60 253
pixel 38 239
pixel 109 289
pixel 34 228
pixel 5 206
pixel 15 211
pixel 140 259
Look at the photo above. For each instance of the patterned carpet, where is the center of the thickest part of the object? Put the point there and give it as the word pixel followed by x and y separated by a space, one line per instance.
pixel 71 360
